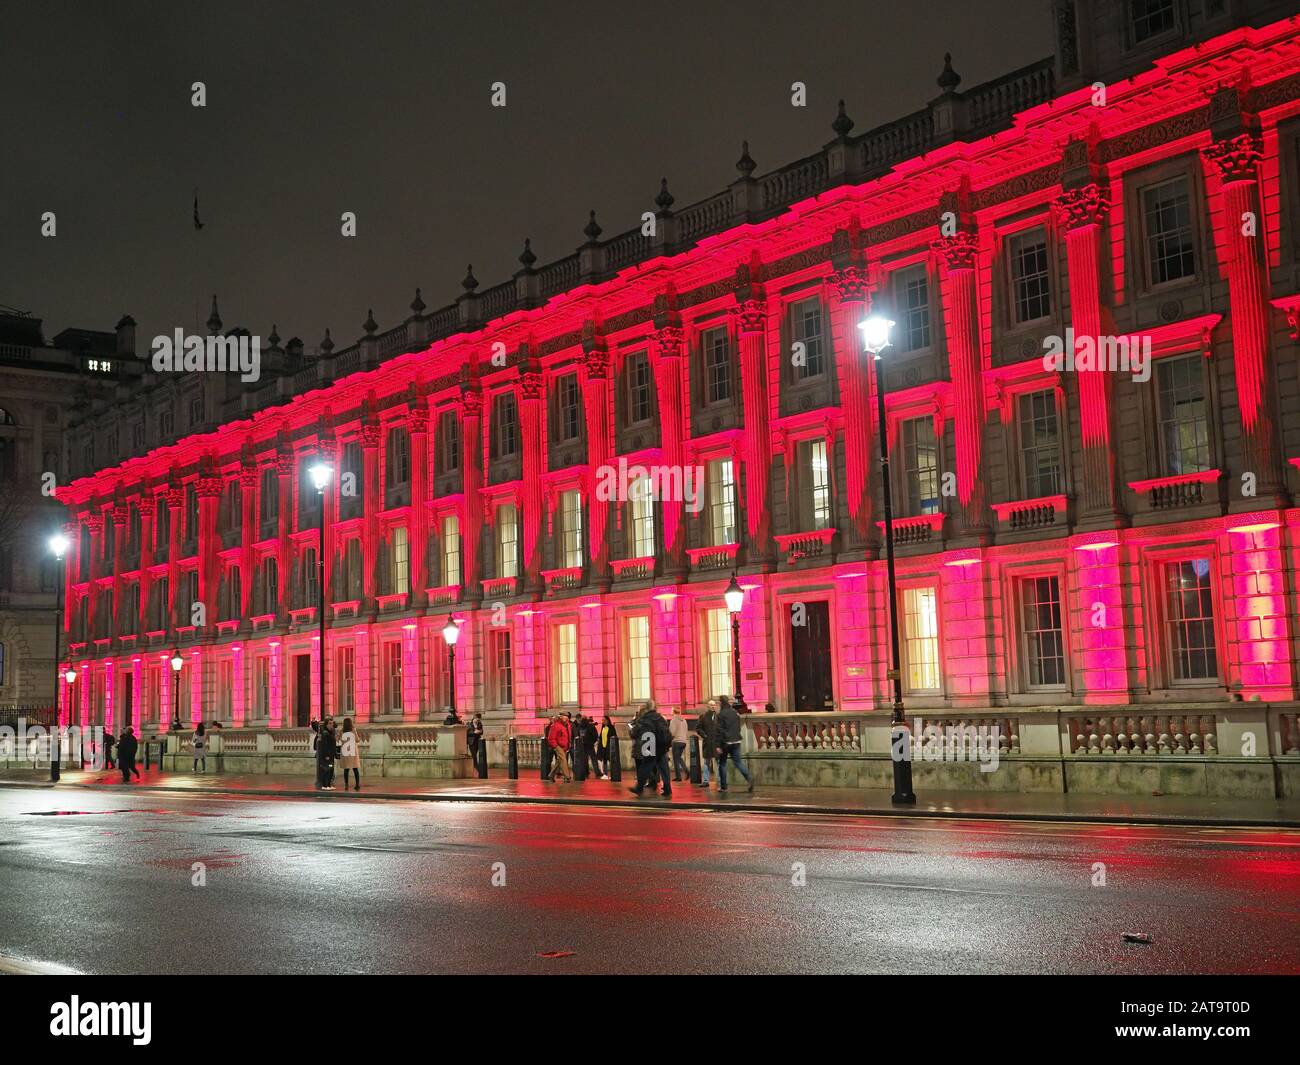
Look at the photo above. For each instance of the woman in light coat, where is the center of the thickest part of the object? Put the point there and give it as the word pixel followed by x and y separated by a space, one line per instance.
pixel 350 757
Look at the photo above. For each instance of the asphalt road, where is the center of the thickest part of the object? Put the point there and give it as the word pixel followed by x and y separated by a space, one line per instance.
pixel 104 883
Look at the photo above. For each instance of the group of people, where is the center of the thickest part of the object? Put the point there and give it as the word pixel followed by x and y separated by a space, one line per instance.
pixel 564 731
pixel 335 746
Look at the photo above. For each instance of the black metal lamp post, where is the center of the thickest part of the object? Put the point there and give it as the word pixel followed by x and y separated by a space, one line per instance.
pixel 176 663
pixel 59 548
pixel 735 599
pixel 875 335
pixel 451 633
pixel 320 475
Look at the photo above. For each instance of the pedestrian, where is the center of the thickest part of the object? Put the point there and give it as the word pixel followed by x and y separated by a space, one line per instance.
pixel 558 735
pixel 603 738
pixel 349 753
pixel 680 730
pixel 200 744
pixel 652 740
pixel 728 743
pixel 126 748
pixel 591 744
pixel 333 729
pixel 474 736
pixel 109 740
pixel 706 727
pixel 325 752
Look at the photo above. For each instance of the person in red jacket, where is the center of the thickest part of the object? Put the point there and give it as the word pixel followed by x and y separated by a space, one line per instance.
pixel 558 736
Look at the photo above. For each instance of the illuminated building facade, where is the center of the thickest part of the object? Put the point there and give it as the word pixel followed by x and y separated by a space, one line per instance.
pixel 1070 534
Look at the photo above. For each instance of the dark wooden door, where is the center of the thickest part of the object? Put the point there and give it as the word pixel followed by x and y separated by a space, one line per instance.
pixel 810 645
pixel 302 690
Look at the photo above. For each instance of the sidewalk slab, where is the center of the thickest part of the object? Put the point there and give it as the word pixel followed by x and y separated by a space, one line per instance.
pixel 1104 809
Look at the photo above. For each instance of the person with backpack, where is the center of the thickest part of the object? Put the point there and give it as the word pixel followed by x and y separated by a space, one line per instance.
pixel 651 742
pixel 728 743
pixel 200 744
pixel 349 753
pixel 558 735
pixel 126 748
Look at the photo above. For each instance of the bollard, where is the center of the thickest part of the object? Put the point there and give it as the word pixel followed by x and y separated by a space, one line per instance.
pixel 480 757
pixel 578 755
pixel 147 745
pixel 545 760
pixel 512 759
pixel 695 758
pixel 615 759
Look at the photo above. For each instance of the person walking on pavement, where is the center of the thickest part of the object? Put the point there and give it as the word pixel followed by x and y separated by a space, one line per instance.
pixel 109 741
pixel 652 740
pixel 200 744
pixel 680 730
pixel 558 735
pixel 591 743
pixel 728 743
pixel 126 748
pixel 349 753
pixel 706 728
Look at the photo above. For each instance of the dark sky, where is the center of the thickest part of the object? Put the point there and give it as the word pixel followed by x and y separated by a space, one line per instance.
pixel 383 109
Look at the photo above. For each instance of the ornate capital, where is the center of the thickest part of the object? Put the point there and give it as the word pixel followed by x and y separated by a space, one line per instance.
pixel 417 420
pixel 248 477
pixel 751 316
pixel 94 522
pixel 370 435
pixel 596 363
pixel 668 341
pixel 1084 206
pixel 209 487
pixel 957 251
pixel 853 284
pixel 176 498
pixel 531 386
pixel 471 404
pixel 1237 158
pixel 146 504
pixel 284 463
pixel 120 513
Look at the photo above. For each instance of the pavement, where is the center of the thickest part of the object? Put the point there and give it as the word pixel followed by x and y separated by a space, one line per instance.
pixel 991 805
pixel 101 880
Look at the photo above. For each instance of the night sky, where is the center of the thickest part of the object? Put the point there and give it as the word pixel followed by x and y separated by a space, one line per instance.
pixel 384 109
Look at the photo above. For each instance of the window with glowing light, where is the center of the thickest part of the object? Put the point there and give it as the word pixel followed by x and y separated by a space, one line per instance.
pixel 501 665
pixel 151 710
pixel 1042 638
pixel 262 687
pixel 392 686
pixel 451 550
pixel 225 689
pixel 345 676
pixel 566 663
pixel 1167 214
pixel 1189 611
pixel 1031 296
pixel 721 488
pixel 921 638
pixel 920 481
pixel 1040 444
pixel 717 652
pixel 440 671
pixel 641 511
pixel 636 658
pixel 806 329
pixel 716 347
pixel 814 466
pixel 507 522
pixel 400 561
pixel 1183 414
pixel 571 528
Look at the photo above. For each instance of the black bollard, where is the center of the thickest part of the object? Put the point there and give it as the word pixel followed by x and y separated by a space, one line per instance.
pixel 695 758
pixel 545 760
pixel 615 759
pixel 512 760
pixel 480 757
pixel 578 752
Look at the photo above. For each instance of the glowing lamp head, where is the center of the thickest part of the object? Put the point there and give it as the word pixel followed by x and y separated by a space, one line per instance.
pixel 58 545
pixel 320 476
pixel 875 333
pixel 70 675
pixel 177 662
pixel 451 632
pixel 734 596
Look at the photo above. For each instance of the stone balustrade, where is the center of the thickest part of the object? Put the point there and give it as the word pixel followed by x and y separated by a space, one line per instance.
pixel 1148 734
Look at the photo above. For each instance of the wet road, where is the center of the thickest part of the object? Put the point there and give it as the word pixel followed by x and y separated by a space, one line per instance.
pixel 106 883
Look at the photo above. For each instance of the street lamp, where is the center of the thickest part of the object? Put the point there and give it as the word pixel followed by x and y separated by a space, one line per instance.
pixel 734 597
pixel 177 662
pixel 875 338
pixel 320 477
pixel 451 633
pixel 58 548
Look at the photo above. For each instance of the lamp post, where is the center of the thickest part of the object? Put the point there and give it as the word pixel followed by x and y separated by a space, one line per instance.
pixel 451 633
pixel 176 663
pixel 320 476
pixel 734 597
pixel 875 338
pixel 58 548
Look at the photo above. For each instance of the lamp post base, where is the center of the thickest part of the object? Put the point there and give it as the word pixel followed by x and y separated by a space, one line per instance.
pixel 900 752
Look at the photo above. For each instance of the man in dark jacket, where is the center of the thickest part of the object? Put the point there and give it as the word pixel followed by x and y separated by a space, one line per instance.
pixel 326 749
pixel 707 728
pixel 728 743
pixel 126 748
pixel 652 740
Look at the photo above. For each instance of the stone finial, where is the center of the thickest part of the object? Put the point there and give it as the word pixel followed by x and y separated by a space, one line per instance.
pixel 124 321
pixel 273 340
pixel 471 282
pixel 526 256
pixel 948 79
pixel 370 325
pixel 214 319
pixel 591 230
pixel 842 123
pixel 745 164
pixel 417 304
pixel 665 198
pixel 327 345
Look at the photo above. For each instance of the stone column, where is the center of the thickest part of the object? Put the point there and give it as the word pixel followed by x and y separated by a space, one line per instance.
pixel 1081 213
pixel 284 468
pixel 146 505
pixel 373 504
pixel 854 366
pixel 175 517
pixel 957 255
pixel 417 422
pixel 209 489
pixel 595 398
pixel 751 320
pixel 533 435
pixel 95 523
pixel 328 450
pixel 248 482
pixel 1240 234
pixel 666 347
pixel 118 516
pixel 471 458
